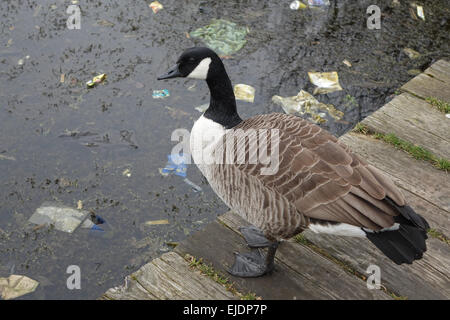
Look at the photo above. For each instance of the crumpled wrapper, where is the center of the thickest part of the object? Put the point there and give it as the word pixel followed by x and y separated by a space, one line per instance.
pixel 305 105
pixel 15 286
pixel 326 82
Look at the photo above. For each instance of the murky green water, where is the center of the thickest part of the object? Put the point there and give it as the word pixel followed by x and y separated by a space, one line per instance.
pixel 118 125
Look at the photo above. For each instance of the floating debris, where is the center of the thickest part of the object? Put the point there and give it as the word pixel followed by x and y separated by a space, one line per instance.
pixel 222 36
pixel 420 13
pixel 155 6
pixel 326 82
pixel 244 92
pixel 16 286
pixel 202 108
pixel 347 63
pixel 195 187
pixel 305 104
pixel 80 205
pixel 96 80
pixel 297 5
pixel 176 164
pixel 20 62
pixel 63 218
pixel 126 173
pixel 447 115
pixel 3 157
pixel 156 222
pixel 172 244
pixel 62 78
pixel 412 54
pixel 414 72
pixel 160 94
pixel 318 3
pixel 105 23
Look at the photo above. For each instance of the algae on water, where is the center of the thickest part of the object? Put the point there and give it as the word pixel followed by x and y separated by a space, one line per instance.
pixel 222 36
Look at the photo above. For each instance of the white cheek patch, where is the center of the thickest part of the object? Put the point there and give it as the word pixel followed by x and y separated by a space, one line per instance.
pixel 201 71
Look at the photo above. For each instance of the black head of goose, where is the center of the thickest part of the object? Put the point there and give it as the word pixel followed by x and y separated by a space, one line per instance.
pixel 318 184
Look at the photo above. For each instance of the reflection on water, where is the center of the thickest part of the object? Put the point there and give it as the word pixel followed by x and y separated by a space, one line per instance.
pixel 60 141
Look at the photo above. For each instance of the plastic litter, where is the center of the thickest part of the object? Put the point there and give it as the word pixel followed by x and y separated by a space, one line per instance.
pixel 202 108
pixel 126 173
pixel 193 185
pixel 160 94
pixel 420 13
pixel 16 285
pixel 96 80
pixel 3 157
pixel 326 82
pixel 92 223
pixel 156 222
pixel 304 104
pixel 244 92
pixel 297 5
pixel 176 164
pixel 347 63
pixel 412 54
pixel 63 218
pixel 155 6
pixel 318 3
pixel 222 36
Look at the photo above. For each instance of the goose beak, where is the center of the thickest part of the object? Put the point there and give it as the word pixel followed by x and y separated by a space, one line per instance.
pixel 174 72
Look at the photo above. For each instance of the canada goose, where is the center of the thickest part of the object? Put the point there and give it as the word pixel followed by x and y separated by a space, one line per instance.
pixel 319 183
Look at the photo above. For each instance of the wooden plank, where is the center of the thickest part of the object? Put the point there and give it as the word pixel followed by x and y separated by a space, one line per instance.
pixel 440 70
pixel 413 120
pixel 417 176
pixel 216 245
pixel 324 273
pixel 131 290
pixel 169 277
pixel 427 278
pixel 436 217
pixel 425 86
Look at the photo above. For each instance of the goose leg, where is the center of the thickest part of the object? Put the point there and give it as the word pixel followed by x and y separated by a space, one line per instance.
pixel 254 237
pixel 254 264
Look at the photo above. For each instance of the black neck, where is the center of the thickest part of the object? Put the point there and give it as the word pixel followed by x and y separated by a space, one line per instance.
pixel 222 106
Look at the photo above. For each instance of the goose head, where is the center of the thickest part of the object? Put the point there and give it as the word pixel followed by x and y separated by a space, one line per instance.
pixel 196 63
pixel 203 63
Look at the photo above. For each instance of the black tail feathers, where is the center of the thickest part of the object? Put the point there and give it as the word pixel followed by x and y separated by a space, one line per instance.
pixel 407 243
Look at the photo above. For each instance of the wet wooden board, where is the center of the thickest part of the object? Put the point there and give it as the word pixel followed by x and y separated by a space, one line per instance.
pixel 417 176
pixel 326 275
pixel 414 120
pixel 424 279
pixel 440 70
pixel 425 86
pixel 216 245
pixel 169 277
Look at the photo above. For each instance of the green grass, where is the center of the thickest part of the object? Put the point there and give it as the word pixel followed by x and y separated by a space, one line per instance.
pixel 415 151
pixel 439 104
pixel 438 235
pixel 209 271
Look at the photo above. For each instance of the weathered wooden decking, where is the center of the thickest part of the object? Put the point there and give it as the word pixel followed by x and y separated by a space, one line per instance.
pixel 329 267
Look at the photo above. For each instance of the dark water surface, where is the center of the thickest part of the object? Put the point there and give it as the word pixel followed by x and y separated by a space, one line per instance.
pixel 64 142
